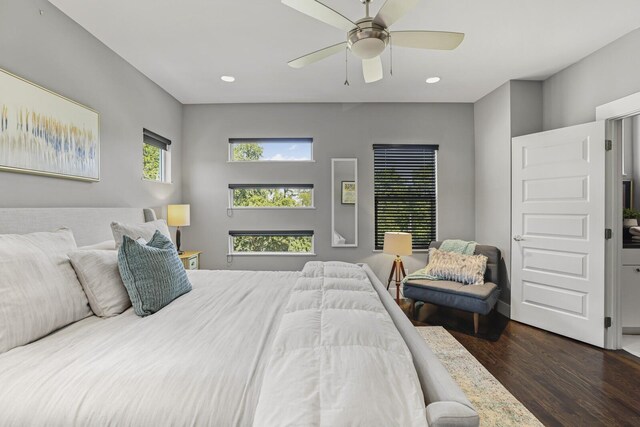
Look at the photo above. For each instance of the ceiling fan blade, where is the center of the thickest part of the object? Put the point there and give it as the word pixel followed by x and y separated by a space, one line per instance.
pixel 372 69
pixel 322 13
pixel 440 40
pixel 317 55
pixel 393 10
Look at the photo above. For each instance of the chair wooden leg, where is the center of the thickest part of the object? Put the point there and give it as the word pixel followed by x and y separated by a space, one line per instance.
pixel 476 320
pixel 412 309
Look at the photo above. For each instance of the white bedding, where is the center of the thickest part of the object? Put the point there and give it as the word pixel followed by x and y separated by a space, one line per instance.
pixel 338 359
pixel 225 354
pixel 199 361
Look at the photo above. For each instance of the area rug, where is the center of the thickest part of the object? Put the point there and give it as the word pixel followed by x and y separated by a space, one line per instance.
pixel 494 403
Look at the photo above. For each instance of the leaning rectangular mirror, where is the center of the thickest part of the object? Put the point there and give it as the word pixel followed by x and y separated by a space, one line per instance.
pixel 344 203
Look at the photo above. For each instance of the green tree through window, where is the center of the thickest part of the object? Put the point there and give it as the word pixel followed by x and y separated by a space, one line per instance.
pixel 250 151
pixel 278 197
pixel 268 197
pixel 282 244
pixel 151 162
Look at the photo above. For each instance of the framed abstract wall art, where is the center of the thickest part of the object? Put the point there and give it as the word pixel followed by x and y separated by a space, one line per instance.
pixel 44 133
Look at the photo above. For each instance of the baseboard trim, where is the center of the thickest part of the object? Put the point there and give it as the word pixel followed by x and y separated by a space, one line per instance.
pixel 630 330
pixel 504 308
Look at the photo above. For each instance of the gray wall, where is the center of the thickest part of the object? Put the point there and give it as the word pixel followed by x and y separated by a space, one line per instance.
pixel 493 171
pixel 513 109
pixel 338 131
pixel 572 95
pixel 55 52
pixel 526 107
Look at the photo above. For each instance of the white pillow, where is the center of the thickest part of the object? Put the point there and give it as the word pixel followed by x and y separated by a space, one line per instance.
pixel 39 291
pixel 137 231
pixel 105 246
pixel 100 278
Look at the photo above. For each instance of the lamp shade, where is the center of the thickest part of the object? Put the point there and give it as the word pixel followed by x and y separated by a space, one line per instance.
pixel 397 244
pixel 179 215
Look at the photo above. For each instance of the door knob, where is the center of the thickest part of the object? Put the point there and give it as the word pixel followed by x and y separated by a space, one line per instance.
pixel 518 238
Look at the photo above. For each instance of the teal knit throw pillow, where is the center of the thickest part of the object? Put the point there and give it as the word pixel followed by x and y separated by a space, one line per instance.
pixel 153 273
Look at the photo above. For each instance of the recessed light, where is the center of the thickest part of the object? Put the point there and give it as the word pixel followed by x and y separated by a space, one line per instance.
pixel 228 79
pixel 432 80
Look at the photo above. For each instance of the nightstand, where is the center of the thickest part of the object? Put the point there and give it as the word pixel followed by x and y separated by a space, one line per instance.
pixel 190 259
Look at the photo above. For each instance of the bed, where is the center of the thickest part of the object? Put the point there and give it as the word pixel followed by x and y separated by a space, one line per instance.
pixel 323 346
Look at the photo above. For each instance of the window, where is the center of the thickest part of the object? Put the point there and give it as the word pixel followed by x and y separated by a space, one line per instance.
pixel 271 242
pixel 405 192
pixel 155 157
pixel 271 150
pixel 270 195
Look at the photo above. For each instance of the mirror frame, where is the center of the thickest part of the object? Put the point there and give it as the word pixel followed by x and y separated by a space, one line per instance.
pixel 333 200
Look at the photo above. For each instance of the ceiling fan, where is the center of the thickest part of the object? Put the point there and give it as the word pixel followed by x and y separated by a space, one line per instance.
pixel 368 37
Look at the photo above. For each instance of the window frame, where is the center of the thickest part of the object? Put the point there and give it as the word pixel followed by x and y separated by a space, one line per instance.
pixel 232 187
pixel 233 141
pixel 234 233
pixel 431 147
pixel 163 144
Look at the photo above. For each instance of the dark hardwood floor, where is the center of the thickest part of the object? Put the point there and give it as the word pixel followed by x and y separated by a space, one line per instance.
pixel 561 381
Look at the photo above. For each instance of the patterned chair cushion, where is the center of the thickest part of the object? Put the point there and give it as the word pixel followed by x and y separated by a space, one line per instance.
pixel 466 269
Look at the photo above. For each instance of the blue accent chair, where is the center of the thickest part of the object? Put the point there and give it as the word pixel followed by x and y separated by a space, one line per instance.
pixel 477 299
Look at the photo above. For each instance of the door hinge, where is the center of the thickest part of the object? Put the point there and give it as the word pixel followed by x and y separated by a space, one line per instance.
pixel 607 322
pixel 608 145
pixel 608 233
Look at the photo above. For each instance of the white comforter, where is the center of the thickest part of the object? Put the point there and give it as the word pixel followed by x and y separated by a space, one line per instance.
pixel 338 359
pixel 199 361
pixel 225 354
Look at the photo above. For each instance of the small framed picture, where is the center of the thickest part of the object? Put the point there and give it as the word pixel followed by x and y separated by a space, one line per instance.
pixel 349 193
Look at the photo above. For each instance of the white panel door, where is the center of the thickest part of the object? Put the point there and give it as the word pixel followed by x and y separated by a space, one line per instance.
pixel 558 226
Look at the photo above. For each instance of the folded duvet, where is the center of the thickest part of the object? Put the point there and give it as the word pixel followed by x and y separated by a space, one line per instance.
pixel 337 358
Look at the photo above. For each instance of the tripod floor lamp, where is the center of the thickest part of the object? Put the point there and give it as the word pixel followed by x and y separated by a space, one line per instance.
pixel 398 244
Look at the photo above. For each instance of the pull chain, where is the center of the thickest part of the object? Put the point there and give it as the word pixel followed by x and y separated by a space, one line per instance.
pixel 390 56
pixel 346 66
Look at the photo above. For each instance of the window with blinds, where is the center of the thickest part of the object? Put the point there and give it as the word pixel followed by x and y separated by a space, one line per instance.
pixel 267 196
pixel 155 157
pixel 269 242
pixel 405 192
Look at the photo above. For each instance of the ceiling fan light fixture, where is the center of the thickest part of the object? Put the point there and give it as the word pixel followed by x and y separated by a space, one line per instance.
pixel 228 79
pixel 368 40
pixel 432 80
pixel 368 48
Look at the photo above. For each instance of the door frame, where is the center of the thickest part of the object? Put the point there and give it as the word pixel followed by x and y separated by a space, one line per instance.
pixel 611 113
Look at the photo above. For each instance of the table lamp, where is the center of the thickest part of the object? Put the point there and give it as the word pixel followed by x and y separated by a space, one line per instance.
pixel 397 244
pixel 178 216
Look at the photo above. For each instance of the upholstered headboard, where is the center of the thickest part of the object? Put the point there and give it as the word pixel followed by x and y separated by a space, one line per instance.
pixel 89 225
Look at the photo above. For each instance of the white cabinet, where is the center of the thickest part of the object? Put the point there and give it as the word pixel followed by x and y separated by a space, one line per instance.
pixel 630 295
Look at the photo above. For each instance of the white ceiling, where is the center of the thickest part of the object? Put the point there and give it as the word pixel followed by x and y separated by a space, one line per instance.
pixel 185 46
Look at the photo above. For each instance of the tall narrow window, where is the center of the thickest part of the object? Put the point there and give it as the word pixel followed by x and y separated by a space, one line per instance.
pixel 155 157
pixel 405 192
pixel 289 242
pixel 271 149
